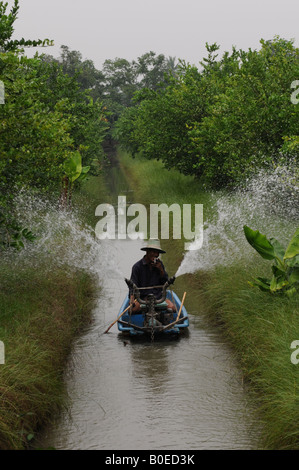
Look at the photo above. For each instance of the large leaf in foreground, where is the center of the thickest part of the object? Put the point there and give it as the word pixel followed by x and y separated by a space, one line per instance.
pixel 279 250
pixel 293 247
pixel 294 276
pixel 292 262
pixel 260 243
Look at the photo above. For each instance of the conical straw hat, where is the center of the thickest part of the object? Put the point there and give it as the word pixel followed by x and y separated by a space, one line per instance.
pixel 153 244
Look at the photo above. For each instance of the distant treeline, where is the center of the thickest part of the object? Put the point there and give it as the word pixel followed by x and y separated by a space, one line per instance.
pixel 119 79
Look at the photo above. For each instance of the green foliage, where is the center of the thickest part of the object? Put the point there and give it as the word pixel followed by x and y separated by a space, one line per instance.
pixel 48 118
pixel 245 127
pixel 12 234
pixel 42 311
pixel 223 122
pixel 82 71
pixel 118 81
pixel 35 136
pixel 73 167
pixel 46 121
pixel 33 141
pixel 161 121
pixel 122 79
pixel 6 30
pixel 285 271
pixel 87 117
pixel 260 328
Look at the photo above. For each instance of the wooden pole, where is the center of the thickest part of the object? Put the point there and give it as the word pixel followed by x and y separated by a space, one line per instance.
pixel 178 316
pixel 173 323
pixel 182 303
pixel 117 319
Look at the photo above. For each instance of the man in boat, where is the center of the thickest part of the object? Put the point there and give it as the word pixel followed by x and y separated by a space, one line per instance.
pixel 150 272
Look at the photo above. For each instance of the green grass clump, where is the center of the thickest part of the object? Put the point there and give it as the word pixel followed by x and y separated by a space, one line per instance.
pixel 93 191
pixel 40 314
pixel 260 327
pixel 152 183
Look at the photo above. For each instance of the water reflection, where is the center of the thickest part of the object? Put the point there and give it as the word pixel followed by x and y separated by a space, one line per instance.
pixel 151 365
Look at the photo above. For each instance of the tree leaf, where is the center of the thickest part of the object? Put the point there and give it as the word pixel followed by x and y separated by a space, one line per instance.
pixel 260 243
pixel 293 247
pixel 293 262
pixel 278 283
pixel 278 248
pixel 291 291
pixel 294 276
pixel 262 283
pixel 73 166
pixel 276 271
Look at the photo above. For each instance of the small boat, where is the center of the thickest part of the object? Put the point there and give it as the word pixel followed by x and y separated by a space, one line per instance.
pixel 154 319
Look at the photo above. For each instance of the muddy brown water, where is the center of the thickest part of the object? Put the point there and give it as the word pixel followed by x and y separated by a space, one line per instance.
pixel 133 394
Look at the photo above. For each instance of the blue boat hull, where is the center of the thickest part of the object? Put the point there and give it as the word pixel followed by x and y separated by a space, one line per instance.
pixel 137 320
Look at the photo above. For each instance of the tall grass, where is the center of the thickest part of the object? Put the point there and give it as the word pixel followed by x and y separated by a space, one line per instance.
pixel 40 313
pixel 259 327
pixel 93 191
pixel 45 302
pixel 154 184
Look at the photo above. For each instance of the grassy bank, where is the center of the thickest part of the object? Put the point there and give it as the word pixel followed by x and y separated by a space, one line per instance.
pixel 259 327
pixel 41 313
pixel 44 305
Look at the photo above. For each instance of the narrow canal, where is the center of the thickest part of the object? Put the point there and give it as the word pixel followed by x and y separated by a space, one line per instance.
pixel 129 394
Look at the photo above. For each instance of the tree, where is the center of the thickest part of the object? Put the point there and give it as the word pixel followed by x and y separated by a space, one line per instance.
pixel 123 79
pixel 246 124
pixel 161 124
pixel 6 31
pixel 84 71
pixel 120 81
pixel 87 116
pixel 35 139
pixel 223 122
pixel 49 123
pixel 151 70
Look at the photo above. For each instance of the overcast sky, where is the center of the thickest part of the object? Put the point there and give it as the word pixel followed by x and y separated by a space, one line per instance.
pixel 106 29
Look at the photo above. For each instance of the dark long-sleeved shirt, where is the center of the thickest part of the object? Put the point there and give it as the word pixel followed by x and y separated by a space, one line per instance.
pixel 146 275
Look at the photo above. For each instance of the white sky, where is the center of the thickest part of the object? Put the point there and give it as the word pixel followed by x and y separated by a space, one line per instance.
pixel 106 29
